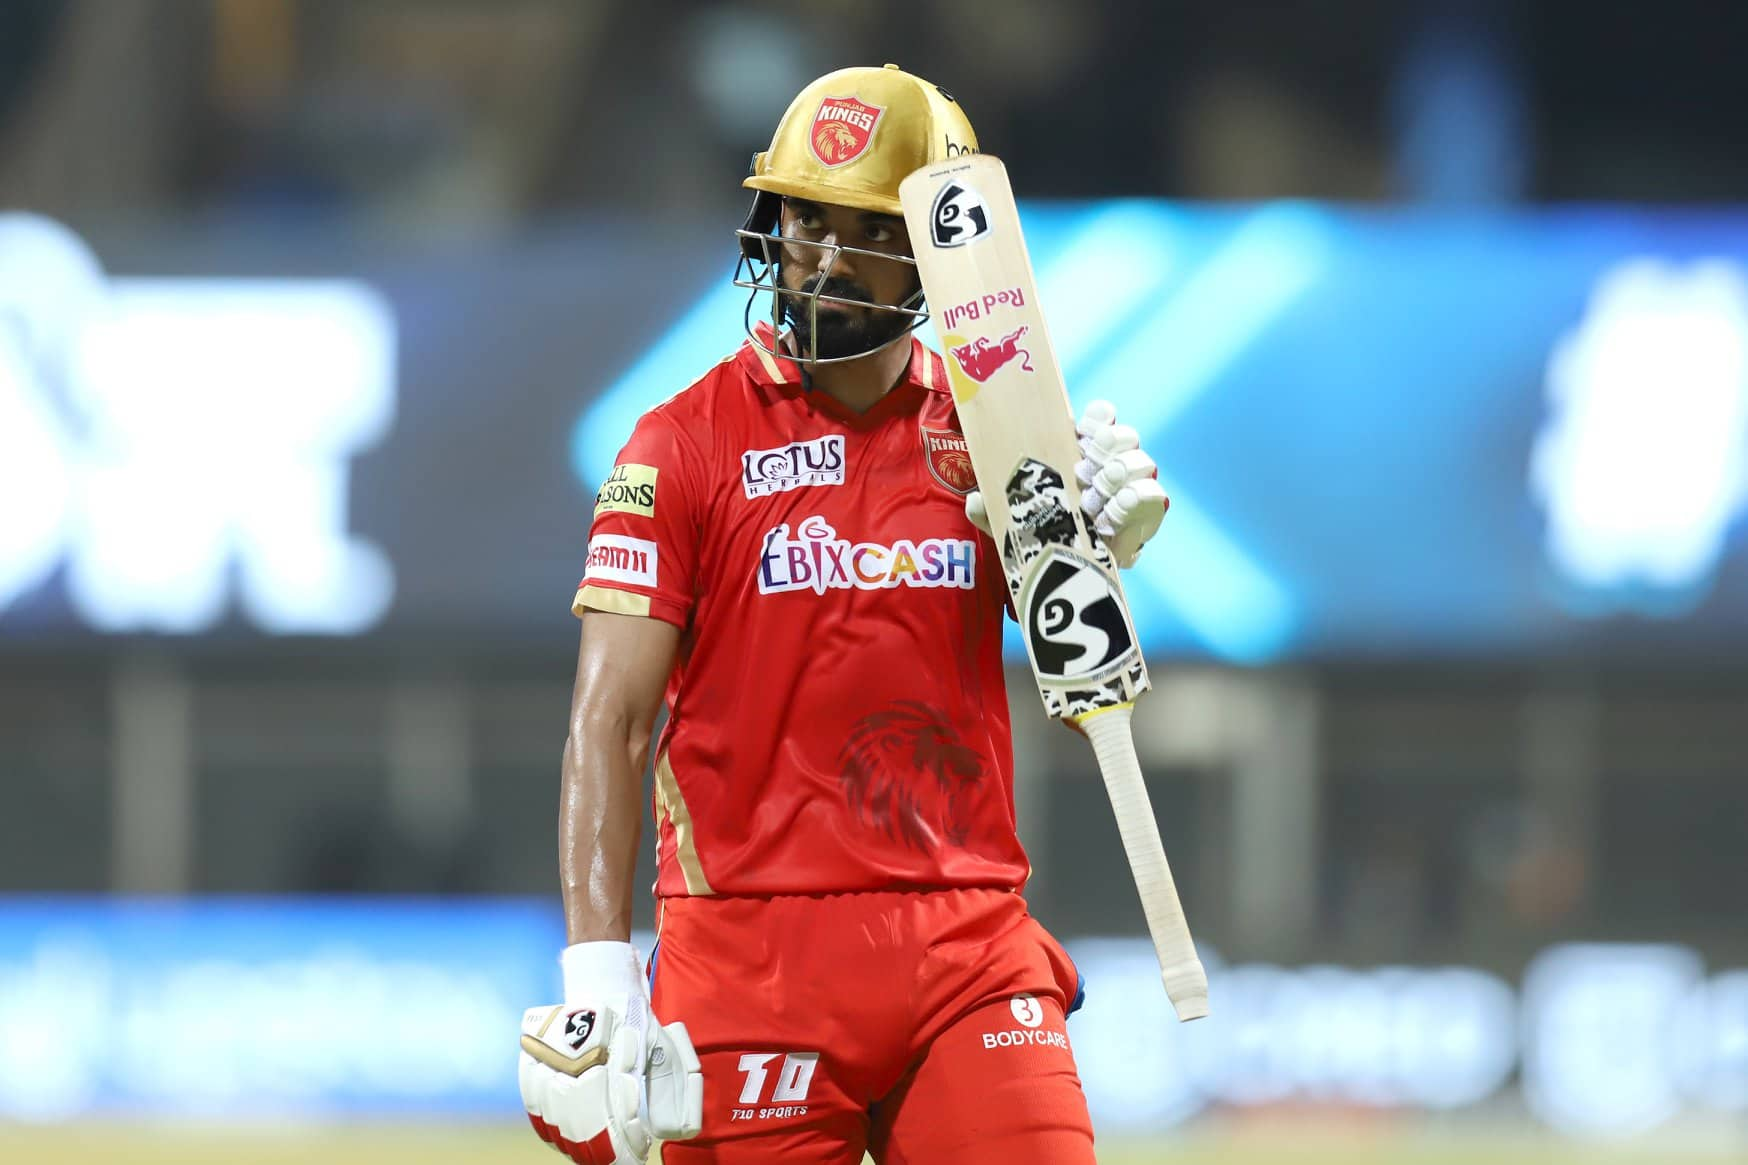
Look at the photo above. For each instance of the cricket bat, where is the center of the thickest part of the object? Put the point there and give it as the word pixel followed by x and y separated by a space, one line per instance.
pixel 1013 407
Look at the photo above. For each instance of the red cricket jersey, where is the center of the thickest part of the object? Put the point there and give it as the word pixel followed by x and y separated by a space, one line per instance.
pixel 837 714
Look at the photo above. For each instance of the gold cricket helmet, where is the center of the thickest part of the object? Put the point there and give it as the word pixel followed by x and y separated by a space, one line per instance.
pixel 850 138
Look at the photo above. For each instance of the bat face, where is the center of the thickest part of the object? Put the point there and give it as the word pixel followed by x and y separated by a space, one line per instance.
pixel 1019 431
pixel 1082 645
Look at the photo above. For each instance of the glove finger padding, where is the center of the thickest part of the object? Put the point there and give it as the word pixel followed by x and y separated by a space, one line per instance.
pixel 1099 414
pixel 581 1079
pixel 676 1085
pixel 1098 450
pixel 625 1088
pixel 1132 465
pixel 1131 517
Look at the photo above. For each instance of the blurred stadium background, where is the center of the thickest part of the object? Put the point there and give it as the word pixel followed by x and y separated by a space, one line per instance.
pixel 320 319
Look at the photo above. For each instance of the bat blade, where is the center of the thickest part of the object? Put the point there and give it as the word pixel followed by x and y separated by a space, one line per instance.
pixel 1019 428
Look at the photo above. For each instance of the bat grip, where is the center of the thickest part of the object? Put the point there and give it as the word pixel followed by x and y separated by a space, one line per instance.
pixel 1186 983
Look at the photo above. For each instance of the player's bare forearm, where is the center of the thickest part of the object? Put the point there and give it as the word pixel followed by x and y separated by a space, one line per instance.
pixel 622 667
pixel 600 824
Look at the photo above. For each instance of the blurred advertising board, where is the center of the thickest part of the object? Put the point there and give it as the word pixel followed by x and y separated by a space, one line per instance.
pixel 1385 433
pixel 252 1008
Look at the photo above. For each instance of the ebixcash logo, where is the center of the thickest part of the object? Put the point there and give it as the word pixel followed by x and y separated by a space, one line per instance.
pixel 169 446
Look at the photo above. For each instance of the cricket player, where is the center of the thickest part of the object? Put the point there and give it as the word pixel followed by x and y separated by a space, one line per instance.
pixel 788 555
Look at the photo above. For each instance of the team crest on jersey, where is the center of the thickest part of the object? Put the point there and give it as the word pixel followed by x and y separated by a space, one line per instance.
pixel 949 459
pixel 842 129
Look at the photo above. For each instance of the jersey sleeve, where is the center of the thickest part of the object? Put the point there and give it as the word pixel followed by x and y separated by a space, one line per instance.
pixel 643 541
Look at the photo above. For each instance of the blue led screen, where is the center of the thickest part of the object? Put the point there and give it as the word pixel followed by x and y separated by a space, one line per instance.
pixel 1385 433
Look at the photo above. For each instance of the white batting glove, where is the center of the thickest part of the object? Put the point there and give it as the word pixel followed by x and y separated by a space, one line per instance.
pixel 1120 491
pixel 977 511
pixel 601 1080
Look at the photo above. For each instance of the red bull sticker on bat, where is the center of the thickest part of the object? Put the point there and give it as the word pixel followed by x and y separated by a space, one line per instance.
pixel 842 129
pixel 982 306
pixel 981 358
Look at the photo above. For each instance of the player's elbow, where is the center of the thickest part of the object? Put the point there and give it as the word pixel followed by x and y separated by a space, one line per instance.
pixel 606 726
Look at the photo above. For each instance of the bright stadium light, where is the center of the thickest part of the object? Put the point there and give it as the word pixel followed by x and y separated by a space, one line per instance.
pixel 1643 463
pixel 166 439
pixel 1712 1043
pixel 1599 1036
pixel 50 286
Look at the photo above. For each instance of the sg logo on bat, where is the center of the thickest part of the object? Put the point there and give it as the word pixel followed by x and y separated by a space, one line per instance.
pixel 1075 624
pixel 958 216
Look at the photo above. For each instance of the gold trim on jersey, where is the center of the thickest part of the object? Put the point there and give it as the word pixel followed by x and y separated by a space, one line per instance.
pixel 607 599
pixel 772 368
pixel 673 803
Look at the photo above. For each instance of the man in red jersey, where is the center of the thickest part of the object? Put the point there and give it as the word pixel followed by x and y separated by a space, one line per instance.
pixel 788 554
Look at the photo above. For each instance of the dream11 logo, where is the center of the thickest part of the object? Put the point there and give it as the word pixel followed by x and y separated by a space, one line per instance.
pixel 160 438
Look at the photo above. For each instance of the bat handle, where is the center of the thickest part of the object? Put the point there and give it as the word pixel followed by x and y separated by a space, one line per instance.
pixel 1186 983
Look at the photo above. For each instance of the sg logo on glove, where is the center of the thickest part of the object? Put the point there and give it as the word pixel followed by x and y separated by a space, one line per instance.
pixel 602 1091
pixel 577 1027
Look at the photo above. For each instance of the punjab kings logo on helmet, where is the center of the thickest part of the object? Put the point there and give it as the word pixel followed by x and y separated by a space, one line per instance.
pixel 842 129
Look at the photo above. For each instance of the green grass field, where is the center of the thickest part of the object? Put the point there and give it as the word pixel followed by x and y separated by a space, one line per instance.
pixel 492 1145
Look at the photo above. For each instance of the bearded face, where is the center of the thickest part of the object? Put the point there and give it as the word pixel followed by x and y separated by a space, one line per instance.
pixel 847 254
pixel 836 331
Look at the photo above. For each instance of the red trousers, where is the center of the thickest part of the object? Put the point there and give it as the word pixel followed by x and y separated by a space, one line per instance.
pixel 923 1027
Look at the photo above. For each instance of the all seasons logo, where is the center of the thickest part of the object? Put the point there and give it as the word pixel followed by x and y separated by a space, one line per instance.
pixel 630 490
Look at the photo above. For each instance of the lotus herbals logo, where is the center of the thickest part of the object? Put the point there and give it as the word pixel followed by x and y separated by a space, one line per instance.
pixel 842 129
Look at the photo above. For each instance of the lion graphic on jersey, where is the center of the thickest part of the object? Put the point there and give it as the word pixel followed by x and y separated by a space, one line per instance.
pixel 905 771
